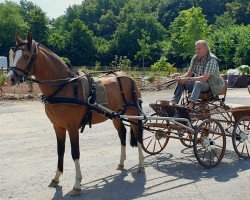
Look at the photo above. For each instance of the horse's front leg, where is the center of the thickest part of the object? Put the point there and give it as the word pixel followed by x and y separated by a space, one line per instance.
pixel 61 136
pixel 74 141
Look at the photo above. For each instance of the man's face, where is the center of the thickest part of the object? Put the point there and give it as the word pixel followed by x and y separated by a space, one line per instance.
pixel 201 50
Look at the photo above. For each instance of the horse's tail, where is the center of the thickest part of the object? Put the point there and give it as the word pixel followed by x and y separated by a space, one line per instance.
pixel 136 96
pixel 133 141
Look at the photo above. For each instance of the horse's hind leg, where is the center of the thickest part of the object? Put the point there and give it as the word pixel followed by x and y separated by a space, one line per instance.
pixel 61 136
pixel 136 138
pixel 135 132
pixel 122 135
pixel 75 152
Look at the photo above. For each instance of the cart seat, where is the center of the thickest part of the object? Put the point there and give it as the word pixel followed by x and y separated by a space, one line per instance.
pixel 207 96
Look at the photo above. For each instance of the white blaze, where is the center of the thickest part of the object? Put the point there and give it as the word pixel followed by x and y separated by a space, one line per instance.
pixel 19 54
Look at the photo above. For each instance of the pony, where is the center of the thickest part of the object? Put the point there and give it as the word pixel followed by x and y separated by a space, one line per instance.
pixel 58 82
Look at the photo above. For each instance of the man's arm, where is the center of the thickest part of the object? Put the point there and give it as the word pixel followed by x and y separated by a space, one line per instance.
pixel 203 78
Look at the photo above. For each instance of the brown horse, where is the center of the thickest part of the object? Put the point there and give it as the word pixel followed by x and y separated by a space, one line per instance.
pixel 34 59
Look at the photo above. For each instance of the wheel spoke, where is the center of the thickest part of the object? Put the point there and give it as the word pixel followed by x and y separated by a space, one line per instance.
pixel 215 154
pixel 217 137
pixel 154 146
pixel 204 155
pixel 218 146
pixel 247 151
pixel 149 143
pixel 159 143
pixel 239 128
pixel 238 144
pixel 147 137
pixel 243 148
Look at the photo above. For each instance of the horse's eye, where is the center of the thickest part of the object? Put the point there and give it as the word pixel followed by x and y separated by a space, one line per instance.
pixel 25 57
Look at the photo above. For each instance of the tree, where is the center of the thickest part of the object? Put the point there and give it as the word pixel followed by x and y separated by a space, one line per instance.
pixel 224 45
pixel 231 45
pixel 36 19
pixel 11 23
pixel 168 10
pixel 185 30
pixel 240 11
pixel 212 8
pixel 107 25
pixel 144 48
pixel 223 21
pixel 79 44
pixel 130 31
pixel 242 54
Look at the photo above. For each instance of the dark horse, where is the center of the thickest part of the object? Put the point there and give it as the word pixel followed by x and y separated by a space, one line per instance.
pixel 34 59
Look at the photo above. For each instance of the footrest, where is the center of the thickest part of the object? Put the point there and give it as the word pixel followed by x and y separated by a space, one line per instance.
pixel 164 110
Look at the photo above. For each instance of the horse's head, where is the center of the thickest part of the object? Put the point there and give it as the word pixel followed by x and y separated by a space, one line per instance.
pixel 24 60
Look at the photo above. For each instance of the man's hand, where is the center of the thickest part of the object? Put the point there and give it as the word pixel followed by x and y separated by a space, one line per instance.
pixel 183 80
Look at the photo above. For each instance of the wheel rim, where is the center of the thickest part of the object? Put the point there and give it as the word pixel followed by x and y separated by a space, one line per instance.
pixel 187 143
pixel 209 143
pixel 154 138
pixel 241 137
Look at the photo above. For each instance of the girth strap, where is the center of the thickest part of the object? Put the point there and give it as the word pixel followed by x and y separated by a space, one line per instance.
pixel 55 100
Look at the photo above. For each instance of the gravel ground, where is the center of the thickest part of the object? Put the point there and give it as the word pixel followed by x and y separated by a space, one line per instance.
pixel 28 161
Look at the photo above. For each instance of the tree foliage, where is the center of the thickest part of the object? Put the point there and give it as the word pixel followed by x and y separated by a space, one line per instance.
pixel 190 26
pixel 11 23
pixel 79 44
pixel 98 30
pixel 36 19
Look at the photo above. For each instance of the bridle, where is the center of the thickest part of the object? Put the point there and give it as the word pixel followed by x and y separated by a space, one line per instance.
pixel 31 65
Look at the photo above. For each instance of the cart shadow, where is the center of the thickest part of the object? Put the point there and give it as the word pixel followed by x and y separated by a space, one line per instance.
pixel 187 167
pixel 129 184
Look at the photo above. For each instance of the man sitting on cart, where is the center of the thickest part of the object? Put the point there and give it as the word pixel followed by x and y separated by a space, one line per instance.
pixel 203 75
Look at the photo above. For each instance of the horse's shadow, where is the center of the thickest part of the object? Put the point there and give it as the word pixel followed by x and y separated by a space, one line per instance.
pixel 121 186
pixel 111 187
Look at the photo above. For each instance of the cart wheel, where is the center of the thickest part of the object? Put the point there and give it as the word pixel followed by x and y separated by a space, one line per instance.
pixel 188 135
pixel 186 143
pixel 241 137
pixel 154 136
pixel 209 143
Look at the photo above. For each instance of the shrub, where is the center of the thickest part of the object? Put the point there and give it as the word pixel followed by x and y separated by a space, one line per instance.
pixel 244 69
pixel 2 79
pixel 163 65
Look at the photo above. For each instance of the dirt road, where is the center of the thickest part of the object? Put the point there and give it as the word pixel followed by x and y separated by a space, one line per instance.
pixel 28 162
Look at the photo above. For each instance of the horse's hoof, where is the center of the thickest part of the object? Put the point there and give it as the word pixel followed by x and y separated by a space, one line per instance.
pixel 75 192
pixel 53 183
pixel 120 167
pixel 141 170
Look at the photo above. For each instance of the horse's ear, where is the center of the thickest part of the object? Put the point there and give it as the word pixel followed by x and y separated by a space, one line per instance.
pixel 29 39
pixel 18 40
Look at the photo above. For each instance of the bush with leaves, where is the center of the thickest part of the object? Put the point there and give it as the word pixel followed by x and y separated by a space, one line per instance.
pixel 244 69
pixel 2 79
pixel 163 65
pixel 121 63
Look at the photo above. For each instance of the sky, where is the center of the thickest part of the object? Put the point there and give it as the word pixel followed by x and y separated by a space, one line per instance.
pixel 53 8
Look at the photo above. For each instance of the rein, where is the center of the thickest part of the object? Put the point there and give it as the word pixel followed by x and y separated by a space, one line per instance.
pixel 169 83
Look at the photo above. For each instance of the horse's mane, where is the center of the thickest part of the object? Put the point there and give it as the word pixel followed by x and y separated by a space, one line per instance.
pixel 67 65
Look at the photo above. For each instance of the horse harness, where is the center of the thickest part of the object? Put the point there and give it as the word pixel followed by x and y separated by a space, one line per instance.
pixel 91 103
